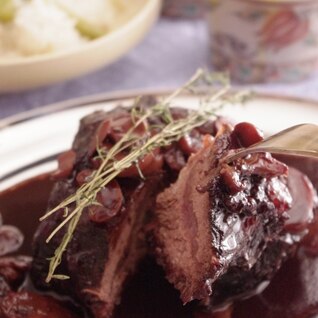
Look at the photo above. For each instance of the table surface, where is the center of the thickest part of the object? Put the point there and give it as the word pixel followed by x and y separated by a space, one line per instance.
pixel 166 58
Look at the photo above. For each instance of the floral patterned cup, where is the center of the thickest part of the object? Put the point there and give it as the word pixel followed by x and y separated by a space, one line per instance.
pixel 184 8
pixel 264 40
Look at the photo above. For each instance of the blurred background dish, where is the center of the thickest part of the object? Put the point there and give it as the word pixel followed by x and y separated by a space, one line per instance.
pixel 167 57
pixel 34 63
pixel 184 8
pixel 264 40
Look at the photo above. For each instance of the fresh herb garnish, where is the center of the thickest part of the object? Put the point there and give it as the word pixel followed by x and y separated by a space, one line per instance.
pixel 173 130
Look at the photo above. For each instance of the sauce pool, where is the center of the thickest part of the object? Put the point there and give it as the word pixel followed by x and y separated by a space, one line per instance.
pixel 293 293
pixel 148 294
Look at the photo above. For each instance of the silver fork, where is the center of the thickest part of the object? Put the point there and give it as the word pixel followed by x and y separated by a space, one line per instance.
pixel 300 140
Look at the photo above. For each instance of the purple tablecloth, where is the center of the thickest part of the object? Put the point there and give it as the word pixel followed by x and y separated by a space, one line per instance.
pixel 166 58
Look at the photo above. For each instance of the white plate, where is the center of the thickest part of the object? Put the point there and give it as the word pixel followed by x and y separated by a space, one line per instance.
pixel 29 142
pixel 30 72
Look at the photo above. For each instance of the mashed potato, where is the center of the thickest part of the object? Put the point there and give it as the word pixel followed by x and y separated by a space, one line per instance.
pixel 42 26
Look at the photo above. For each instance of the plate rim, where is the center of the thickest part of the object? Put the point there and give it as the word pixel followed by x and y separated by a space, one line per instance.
pixel 117 95
pixel 110 98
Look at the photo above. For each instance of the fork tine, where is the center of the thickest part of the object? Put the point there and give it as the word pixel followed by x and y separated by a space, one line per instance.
pixel 300 140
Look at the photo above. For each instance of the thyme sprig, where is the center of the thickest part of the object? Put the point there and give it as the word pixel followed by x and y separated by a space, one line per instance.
pixel 74 205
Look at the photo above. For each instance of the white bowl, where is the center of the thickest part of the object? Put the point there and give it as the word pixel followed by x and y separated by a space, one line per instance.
pixel 30 72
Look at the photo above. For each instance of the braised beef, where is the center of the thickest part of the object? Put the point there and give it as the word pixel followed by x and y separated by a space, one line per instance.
pixel 109 240
pixel 108 243
pixel 219 231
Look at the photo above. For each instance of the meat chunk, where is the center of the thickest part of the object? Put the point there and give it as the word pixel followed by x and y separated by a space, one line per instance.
pixel 109 240
pixel 219 230
pixel 107 244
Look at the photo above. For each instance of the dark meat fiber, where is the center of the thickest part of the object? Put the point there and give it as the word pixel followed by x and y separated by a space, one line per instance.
pixel 109 240
pixel 220 229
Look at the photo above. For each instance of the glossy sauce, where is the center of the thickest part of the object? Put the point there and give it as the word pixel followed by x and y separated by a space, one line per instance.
pixel 148 294
pixel 293 293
